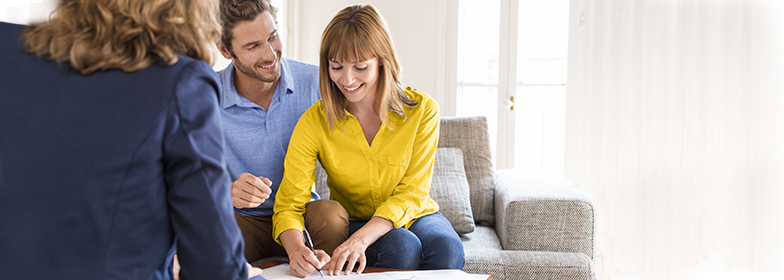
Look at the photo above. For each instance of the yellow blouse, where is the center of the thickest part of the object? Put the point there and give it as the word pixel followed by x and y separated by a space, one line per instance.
pixel 389 179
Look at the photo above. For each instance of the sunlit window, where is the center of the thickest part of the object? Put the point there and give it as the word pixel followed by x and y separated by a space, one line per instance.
pixel 477 64
pixel 540 100
pixel 532 38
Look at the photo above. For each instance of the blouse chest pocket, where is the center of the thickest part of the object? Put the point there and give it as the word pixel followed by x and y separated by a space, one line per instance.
pixel 399 158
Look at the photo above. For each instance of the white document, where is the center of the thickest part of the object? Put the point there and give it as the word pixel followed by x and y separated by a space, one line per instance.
pixel 440 274
pixel 282 272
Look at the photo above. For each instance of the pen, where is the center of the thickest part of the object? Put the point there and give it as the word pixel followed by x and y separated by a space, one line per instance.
pixel 309 243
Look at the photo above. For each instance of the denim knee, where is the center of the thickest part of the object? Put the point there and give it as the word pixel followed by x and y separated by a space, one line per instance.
pixel 398 248
pixel 442 253
pixel 442 247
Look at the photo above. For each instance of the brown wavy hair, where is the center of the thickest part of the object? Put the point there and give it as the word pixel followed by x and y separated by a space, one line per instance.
pixel 96 35
pixel 361 32
pixel 234 11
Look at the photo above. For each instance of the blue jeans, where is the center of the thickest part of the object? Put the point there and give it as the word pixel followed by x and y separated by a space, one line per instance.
pixel 430 243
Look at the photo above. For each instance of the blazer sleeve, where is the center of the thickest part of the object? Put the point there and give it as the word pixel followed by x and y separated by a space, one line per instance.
pixel 209 243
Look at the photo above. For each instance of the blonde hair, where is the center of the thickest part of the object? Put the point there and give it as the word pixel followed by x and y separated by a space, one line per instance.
pixel 361 32
pixel 130 35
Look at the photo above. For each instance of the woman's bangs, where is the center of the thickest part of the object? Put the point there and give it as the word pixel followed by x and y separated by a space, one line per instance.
pixel 350 44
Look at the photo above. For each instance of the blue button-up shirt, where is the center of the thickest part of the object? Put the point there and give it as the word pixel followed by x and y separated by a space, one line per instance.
pixel 257 139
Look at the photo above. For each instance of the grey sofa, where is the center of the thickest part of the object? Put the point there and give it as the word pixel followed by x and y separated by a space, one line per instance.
pixel 513 225
pixel 527 226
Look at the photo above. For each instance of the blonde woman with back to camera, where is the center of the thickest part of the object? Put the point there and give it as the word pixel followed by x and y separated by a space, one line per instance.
pixel 111 152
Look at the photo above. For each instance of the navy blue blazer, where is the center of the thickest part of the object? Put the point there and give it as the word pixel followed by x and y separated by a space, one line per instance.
pixel 100 173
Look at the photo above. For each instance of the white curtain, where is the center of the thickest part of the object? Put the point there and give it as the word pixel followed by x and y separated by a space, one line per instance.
pixel 675 129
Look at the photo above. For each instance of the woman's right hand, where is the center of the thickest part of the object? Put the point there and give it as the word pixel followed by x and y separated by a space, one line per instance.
pixel 253 271
pixel 351 252
pixel 303 263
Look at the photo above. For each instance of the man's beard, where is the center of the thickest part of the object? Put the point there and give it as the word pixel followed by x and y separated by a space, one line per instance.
pixel 251 71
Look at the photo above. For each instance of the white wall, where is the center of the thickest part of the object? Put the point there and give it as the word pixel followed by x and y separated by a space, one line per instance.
pixel 675 129
pixel 418 30
pixel 25 11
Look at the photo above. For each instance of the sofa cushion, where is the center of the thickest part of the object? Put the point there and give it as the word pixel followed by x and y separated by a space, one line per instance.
pixel 547 265
pixel 483 253
pixel 470 134
pixel 320 181
pixel 450 189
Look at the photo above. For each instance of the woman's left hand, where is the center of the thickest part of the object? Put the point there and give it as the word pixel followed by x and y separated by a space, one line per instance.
pixel 351 252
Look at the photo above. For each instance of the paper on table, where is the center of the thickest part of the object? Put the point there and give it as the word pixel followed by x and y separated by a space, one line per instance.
pixel 441 274
pixel 282 272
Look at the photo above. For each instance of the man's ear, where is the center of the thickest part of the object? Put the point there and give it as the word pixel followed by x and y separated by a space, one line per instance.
pixel 224 51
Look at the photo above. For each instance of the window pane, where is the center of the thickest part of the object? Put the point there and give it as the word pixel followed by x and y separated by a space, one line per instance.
pixel 541 123
pixel 542 41
pixel 480 101
pixel 477 40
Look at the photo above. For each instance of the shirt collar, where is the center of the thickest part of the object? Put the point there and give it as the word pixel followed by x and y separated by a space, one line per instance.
pixel 286 81
pixel 230 96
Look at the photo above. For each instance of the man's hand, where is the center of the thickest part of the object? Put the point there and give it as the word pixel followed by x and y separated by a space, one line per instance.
pixel 250 191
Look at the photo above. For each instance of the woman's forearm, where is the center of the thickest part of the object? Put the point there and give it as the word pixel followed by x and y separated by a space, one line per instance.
pixel 372 231
pixel 292 240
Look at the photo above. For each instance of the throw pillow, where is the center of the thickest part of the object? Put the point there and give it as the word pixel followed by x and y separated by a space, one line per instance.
pixel 471 135
pixel 450 189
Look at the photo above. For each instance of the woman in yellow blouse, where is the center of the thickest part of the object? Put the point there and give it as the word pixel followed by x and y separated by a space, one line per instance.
pixel 377 142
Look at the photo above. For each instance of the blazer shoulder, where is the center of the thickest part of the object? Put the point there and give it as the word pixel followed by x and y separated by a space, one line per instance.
pixel 12 38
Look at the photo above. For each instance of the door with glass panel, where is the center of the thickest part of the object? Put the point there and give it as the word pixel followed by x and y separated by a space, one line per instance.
pixel 511 68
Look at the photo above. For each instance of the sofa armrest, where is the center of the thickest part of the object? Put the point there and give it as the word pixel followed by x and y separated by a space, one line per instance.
pixel 542 213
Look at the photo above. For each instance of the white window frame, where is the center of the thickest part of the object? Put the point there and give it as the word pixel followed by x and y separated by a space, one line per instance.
pixel 504 153
pixel 507 79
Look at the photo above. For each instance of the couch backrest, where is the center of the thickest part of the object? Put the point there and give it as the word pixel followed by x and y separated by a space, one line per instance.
pixel 470 134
